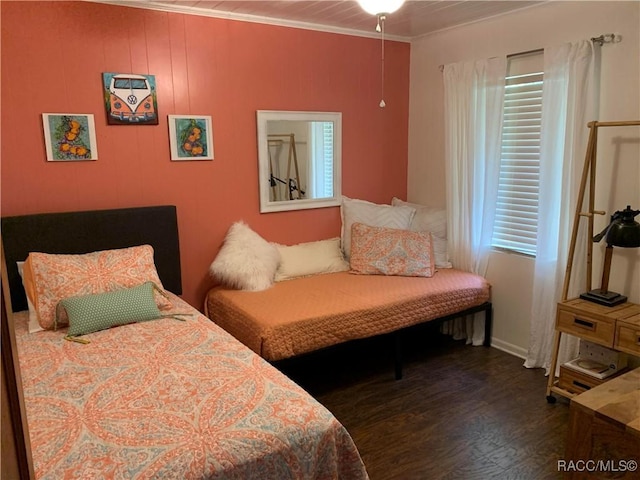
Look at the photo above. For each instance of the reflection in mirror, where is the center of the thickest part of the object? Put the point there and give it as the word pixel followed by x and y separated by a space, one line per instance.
pixel 299 157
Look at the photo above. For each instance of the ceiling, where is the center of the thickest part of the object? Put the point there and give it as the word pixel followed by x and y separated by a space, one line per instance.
pixel 415 17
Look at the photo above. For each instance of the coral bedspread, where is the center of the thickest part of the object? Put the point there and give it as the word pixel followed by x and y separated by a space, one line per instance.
pixel 172 400
pixel 309 313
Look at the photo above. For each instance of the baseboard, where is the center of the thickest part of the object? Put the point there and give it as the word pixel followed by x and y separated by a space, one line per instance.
pixel 509 348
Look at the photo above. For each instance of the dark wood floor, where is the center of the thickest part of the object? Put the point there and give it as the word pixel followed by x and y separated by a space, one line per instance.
pixel 460 412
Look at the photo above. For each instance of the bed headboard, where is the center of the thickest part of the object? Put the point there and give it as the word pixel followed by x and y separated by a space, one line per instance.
pixel 90 231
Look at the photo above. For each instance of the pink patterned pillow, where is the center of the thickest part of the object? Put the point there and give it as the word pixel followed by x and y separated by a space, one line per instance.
pixel 49 278
pixel 390 251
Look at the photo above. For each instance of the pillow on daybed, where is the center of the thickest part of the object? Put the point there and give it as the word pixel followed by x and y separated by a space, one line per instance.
pixel 361 211
pixel 49 278
pixel 246 261
pixel 390 251
pixel 310 258
pixel 99 311
pixel 434 220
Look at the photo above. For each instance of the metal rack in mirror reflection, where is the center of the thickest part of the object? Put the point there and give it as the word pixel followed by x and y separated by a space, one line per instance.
pixel 275 143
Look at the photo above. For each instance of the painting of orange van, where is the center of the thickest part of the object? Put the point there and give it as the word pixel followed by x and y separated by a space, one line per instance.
pixel 130 99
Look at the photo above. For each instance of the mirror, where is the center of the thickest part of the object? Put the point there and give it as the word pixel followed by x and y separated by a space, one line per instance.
pixel 299 157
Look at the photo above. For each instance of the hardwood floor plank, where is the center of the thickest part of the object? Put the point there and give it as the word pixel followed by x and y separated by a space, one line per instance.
pixel 460 412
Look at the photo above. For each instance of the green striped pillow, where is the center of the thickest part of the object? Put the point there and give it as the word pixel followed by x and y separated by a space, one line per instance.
pixel 91 313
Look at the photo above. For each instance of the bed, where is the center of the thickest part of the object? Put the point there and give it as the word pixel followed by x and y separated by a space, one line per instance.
pixel 163 398
pixel 387 274
pixel 309 313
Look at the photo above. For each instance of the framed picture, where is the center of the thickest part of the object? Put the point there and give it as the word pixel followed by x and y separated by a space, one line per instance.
pixel 191 137
pixel 130 99
pixel 69 137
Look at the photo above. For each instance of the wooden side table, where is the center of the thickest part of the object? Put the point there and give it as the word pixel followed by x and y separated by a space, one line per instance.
pixel 604 426
pixel 615 327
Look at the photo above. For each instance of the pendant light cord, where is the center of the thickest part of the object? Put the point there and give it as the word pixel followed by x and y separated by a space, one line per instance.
pixel 381 19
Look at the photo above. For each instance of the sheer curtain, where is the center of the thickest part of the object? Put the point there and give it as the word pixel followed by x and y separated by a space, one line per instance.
pixel 569 102
pixel 474 98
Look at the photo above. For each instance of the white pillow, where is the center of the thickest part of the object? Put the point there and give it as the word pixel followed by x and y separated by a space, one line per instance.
pixel 372 214
pixel 34 325
pixel 246 261
pixel 434 220
pixel 311 258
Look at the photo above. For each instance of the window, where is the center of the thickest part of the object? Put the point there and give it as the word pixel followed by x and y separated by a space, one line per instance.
pixel 516 220
pixel 322 159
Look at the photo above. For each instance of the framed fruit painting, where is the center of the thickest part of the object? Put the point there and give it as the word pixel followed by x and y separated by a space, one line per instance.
pixel 191 137
pixel 69 137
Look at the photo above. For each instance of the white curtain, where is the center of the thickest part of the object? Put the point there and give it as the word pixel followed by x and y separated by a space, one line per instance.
pixel 569 102
pixel 474 98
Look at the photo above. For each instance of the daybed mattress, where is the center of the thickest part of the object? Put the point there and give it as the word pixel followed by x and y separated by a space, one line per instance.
pixel 309 313
pixel 168 399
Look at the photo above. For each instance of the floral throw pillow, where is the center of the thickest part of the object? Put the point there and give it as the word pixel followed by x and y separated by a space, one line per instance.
pixel 360 211
pixel 49 278
pixel 390 251
pixel 434 220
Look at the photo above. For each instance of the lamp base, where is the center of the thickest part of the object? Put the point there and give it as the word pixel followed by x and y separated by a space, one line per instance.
pixel 606 298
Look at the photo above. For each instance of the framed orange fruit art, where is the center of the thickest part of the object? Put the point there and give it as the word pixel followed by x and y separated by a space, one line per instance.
pixel 69 137
pixel 191 137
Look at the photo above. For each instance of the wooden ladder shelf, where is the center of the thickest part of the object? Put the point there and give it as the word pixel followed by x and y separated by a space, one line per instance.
pixel 588 177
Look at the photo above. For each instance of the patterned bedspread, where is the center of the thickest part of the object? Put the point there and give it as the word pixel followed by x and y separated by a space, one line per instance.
pixel 167 399
pixel 309 313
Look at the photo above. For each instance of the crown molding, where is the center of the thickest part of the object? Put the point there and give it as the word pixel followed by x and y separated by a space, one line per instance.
pixel 243 17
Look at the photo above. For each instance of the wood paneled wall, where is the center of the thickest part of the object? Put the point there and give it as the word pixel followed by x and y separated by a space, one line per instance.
pixel 53 56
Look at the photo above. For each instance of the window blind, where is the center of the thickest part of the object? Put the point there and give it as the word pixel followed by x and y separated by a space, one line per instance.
pixel 327 150
pixel 516 219
pixel 322 160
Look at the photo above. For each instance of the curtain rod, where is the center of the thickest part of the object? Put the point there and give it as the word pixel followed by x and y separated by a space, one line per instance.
pixel 528 52
pixel 600 40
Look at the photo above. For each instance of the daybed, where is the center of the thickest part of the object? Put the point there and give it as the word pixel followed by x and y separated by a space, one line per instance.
pixel 309 313
pixel 398 275
pixel 162 398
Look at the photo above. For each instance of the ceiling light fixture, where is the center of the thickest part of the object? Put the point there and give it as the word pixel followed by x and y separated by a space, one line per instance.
pixel 381 8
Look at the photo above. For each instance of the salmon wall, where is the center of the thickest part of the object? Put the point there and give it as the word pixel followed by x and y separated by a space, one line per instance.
pixel 53 56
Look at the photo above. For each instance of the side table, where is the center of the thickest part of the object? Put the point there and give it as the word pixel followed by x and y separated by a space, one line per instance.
pixel 615 327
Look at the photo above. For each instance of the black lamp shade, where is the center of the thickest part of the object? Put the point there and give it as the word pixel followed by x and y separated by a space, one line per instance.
pixel 624 231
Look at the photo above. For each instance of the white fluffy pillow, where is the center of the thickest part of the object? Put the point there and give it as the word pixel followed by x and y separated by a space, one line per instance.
pixel 311 258
pixel 246 261
pixel 372 214
pixel 434 220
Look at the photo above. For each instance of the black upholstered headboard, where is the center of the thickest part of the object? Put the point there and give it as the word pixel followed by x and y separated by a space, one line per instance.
pixel 90 231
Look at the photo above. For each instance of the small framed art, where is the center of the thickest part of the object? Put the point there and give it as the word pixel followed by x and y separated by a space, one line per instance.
pixel 190 137
pixel 69 137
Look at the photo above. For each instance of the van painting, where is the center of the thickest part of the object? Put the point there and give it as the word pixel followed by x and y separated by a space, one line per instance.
pixel 130 99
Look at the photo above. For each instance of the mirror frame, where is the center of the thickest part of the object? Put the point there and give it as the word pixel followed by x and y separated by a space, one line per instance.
pixel 266 205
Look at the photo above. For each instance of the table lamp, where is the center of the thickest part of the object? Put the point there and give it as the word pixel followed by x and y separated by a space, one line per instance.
pixel 622 231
